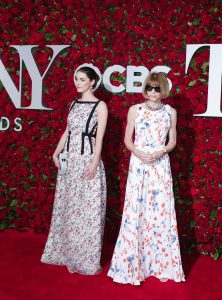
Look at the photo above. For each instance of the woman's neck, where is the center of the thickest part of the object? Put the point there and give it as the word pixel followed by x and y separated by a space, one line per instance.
pixel 87 96
pixel 153 105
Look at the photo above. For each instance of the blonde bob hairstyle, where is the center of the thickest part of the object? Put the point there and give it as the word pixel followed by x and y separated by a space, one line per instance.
pixel 157 79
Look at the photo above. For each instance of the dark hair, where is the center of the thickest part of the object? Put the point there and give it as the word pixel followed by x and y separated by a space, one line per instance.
pixel 91 74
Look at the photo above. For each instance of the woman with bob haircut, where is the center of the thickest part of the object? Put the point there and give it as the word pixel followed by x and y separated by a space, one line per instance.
pixel 76 232
pixel 148 243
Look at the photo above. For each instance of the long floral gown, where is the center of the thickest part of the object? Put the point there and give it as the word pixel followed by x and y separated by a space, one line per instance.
pixel 148 244
pixel 76 232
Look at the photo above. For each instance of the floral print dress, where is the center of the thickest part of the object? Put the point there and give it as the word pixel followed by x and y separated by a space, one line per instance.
pixel 76 232
pixel 148 243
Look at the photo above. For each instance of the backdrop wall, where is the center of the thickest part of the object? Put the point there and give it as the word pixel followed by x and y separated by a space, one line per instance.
pixel 139 33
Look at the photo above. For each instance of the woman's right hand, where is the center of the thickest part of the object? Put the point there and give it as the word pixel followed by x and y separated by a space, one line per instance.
pixel 143 156
pixel 56 160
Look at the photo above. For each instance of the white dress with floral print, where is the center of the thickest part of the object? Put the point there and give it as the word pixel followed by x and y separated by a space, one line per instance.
pixel 76 232
pixel 148 243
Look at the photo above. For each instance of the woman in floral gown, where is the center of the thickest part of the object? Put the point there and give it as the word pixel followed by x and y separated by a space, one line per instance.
pixel 148 243
pixel 76 232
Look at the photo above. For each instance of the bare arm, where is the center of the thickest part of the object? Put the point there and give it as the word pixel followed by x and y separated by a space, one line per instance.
pixel 130 129
pixel 102 114
pixel 60 147
pixel 145 157
pixel 172 132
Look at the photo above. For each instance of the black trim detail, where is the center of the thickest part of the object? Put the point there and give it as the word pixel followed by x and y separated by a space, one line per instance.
pixel 69 134
pixel 78 101
pixel 72 105
pixel 92 133
pixel 68 141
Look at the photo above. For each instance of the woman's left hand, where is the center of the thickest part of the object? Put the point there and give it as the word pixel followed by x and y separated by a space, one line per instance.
pixel 90 171
pixel 157 154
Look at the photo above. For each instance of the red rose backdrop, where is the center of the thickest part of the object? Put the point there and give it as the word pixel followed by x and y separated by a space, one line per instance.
pixel 147 33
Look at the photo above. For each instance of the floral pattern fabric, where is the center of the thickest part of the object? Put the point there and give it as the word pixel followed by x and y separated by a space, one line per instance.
pixel 148 243
pixel 76 232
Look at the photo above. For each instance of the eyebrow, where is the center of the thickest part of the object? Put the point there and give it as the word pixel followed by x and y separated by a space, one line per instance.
pixel 80 77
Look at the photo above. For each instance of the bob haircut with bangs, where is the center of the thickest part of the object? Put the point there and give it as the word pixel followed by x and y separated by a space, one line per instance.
pixel 157 79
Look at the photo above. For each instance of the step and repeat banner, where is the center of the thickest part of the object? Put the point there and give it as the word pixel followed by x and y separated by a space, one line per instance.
pixel 43 42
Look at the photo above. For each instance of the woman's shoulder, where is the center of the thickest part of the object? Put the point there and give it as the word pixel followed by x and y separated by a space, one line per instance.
pixel 101 103
pixel 136 107
pixel 134 110
pixel 170 109
pixel 101 106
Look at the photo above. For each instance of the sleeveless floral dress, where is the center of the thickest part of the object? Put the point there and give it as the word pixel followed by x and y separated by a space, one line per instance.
pixel 148 243
pixel 77 225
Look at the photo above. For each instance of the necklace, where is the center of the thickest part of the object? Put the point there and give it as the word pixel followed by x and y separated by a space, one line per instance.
pixel 153 106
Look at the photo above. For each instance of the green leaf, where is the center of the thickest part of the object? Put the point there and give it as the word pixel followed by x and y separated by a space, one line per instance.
pixel 64 53
pixel 25 37
pixel 26 157
pixel 33 208
pixel 192 223
pixel 48 36
pixel 216 255
pixel 44 177
pixel 3 207
pixel 214 9
pixel 205 65
pixel 192 246
pixel 118 214
pixel 213 214
pixel 196 22
pixel 12 189
pixel 14 202
pixel 192 83
pixel 24 203
pixel 203 80
pixel 22 148
pixel 2 183
pixel 3 226
pixel 179 201
pixel 73 38
pixel 32 177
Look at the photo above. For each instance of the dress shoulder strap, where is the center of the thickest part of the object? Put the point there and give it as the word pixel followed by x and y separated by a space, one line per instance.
pixel 72 105
pixel 91 114
pixel 92 132
pixel 168 108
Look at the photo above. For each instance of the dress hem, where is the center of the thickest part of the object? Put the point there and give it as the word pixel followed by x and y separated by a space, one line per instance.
pixel 138 282
pixel 68 268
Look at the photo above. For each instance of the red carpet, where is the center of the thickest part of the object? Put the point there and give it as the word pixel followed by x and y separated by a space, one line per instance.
pixel 23 277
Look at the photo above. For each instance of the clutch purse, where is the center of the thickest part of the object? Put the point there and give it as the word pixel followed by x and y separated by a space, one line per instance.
pixel 63 164
pixel 63 159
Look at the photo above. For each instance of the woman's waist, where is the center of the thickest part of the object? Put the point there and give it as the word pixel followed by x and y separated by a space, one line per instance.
pixel 79 141
pixel 149 147
pixel 82 160
pixel 79 150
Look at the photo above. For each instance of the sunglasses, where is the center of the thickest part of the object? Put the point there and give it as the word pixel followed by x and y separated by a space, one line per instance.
pixel 150 87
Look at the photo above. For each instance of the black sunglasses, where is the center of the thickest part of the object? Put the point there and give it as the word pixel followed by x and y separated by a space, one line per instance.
pixel 150 87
